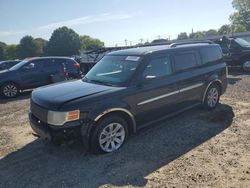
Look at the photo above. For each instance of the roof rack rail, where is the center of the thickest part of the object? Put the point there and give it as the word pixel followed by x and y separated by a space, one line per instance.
pixel 154 44
pixel 173 45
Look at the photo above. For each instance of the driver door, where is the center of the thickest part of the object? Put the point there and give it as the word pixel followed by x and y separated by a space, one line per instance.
pixel 158 94
pixel 32 75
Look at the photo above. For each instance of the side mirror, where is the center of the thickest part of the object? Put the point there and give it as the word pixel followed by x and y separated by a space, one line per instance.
pixel 28 67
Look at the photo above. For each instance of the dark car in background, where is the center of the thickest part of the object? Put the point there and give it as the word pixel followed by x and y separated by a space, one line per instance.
pixel 236 51
pixel 36 72
pixel 8 64
pixel 128 90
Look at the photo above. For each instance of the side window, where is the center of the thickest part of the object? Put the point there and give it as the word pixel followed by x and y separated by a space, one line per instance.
pixel 50 66
pixel 4 65
pixel 185 61
pixel 158 67
pixel 211 54
pixel 13 63
pixel 234 45
pixel 34 65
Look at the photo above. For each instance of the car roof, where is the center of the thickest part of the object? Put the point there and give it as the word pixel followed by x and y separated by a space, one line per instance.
pixel 140 51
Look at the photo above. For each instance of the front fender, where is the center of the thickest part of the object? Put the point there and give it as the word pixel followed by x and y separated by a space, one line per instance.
pixel 105 109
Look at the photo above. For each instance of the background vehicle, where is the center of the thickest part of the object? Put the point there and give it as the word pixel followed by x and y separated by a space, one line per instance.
pixel 128 90
pixel 236 51
pixel 8 64
pixel 89 58
pixel 37 72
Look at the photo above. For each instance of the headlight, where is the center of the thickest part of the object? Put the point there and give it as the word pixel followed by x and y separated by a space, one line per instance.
pixel 59 118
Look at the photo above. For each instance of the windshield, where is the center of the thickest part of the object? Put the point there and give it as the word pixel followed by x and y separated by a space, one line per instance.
pixel 19 65
pixel 113 70
pixel 242 42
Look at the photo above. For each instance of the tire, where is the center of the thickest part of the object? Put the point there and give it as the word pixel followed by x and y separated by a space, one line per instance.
pixel 70 78
pixel 10 90
pixel 105 139
pixel 246 66
pixel 212 97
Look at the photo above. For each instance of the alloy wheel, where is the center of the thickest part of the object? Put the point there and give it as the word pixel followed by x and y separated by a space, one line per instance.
pixel 10 90
pixel 112 137
pixel 212 97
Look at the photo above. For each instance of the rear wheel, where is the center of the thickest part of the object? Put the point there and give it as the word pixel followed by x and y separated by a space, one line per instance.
pixel 10 90
pixel 212 97
pixel 110 135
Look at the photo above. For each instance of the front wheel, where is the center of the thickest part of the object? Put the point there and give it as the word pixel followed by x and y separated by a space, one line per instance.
pixel 212 97
pixel 110 135
pixel 246 66
pixel 10 90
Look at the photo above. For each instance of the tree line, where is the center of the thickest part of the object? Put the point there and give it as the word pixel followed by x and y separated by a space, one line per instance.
pixel 240 22
pixel 63 42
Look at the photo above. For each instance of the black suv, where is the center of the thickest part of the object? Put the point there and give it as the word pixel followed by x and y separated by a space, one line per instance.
pixel 8 64
pixel 236 51
pixel 128 90
pixel 36 72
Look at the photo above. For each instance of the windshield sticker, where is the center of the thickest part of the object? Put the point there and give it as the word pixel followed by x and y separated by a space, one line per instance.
pixel 133 58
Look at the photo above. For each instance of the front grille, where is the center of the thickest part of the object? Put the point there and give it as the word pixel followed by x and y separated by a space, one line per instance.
pixel 38 111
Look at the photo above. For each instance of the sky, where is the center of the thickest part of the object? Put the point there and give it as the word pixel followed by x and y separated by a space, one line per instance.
pixel 112 21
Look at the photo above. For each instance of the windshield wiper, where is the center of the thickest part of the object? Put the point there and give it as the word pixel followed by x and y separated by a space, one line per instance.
pixel 85 79
pixel 101 82
pixel 97 81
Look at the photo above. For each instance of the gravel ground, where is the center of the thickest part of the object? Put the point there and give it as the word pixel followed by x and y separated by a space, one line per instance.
pixel 194 149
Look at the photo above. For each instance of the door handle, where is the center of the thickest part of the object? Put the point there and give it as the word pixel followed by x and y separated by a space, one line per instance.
pixel 171 86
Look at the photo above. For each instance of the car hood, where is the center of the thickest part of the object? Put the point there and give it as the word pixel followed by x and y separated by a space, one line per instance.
pixel 5 74
pixel 4 71
pixel 54 96
pixel 246 49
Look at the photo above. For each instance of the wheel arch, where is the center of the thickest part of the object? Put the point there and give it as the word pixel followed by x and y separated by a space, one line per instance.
pixel 10 81
pixel 122 112
pixel 3 84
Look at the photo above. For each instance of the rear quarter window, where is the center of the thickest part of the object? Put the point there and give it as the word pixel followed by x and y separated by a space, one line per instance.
pixel 69 65
pixel 211 54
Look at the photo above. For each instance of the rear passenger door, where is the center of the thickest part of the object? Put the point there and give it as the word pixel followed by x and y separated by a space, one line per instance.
pixel 51 67
pixel 190 78
pixel 157 95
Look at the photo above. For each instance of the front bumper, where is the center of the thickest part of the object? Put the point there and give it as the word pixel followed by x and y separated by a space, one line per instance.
pixel 56 133
pixel 40 128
